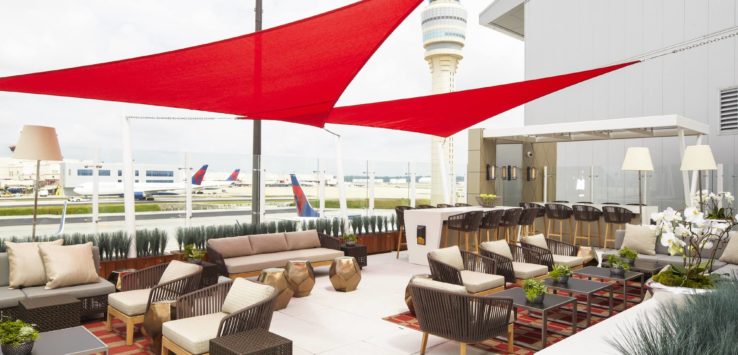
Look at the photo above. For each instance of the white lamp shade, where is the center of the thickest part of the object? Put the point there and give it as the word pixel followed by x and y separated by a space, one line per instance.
pixel 698 157
pixel 638 159
pixel 38 143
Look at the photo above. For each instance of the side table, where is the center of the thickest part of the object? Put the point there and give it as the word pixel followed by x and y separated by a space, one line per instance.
pixel 254 341
pixel 51 312
pixel 358 251
pixel 209 274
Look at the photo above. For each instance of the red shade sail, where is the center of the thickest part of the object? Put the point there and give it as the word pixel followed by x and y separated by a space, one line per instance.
pixel 446 114
pixel 294 72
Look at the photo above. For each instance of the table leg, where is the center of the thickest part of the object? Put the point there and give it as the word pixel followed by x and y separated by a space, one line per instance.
pixel 643 283
pixel 589 309
pixel 574 317
pixel 625 295
pixel 544 328
pixel 609 312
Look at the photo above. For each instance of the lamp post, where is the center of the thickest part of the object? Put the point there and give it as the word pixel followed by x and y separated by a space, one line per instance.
pixel 698 158
pixel 37 143
pixel 638 159
pixel 256 158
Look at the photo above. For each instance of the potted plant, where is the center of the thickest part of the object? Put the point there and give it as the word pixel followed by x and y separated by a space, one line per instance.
pixel 560 274
pixel 617 265
pixel 628 255
pixel 17 337
pixel 716 206
pixel 193 254
pixel 350 239
pixel 487 200
pixel 534 291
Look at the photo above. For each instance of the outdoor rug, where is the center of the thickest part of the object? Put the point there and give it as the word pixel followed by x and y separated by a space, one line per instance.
pixel 116 339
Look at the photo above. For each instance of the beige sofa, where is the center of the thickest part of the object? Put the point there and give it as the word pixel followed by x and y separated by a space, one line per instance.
pixel 246 256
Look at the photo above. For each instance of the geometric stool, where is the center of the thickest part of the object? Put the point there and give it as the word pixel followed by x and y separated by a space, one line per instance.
pixel 276 278
pixel 300 277
pixel 345 273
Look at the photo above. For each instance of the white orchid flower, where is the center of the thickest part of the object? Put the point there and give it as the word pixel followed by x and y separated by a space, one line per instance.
pixel 667 239
pixel 692 214
pixel 657 217
pixel 681 231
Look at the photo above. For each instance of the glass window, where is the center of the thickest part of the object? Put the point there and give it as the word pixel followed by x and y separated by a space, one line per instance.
pixel 159 173
pixel 84 172
pixel 104 173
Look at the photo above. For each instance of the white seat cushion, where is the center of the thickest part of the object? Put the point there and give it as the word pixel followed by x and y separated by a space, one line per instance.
pixel 536 240
pixel 528 271
pixel 478 282
pixel 450 256
pixel 132 303
pixel 193 334
pixel 428 282
pixel 245 293
pixel 498 247
pixel 570 261
pixel 177 269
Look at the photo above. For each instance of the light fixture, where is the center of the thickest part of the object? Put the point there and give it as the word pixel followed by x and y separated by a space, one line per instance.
pixel 513 172
pixel 491 172
pixel 638 159
pixel 698 158
pixel 531 173
pixel 37 143
pixel 505 172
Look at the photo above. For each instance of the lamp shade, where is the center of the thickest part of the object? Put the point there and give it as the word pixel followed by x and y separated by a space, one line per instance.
pixel 38 143
pixel 698 157
pixel 638 159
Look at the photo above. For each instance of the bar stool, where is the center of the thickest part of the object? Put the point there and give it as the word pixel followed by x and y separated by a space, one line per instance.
pixel 443 205
pixel 462 205
pixel 610 203
pixel 465 223
pixel 490 221
pixel 585 202
pixel 615 216
pixel 557 212
pixel 586 214
pixel 541 210
pixel 420 207
pixel 400 211
pixel 528 220
pixel 561 201
pixel 510 221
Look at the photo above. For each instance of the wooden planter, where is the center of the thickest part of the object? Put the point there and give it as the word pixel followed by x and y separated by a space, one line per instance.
pixel 108 266
pixel 378 243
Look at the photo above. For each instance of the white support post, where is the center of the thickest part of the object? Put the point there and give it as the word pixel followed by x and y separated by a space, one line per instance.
pixel 370 173
pixel 96 193
pixel 719 188
pixel 321 189
pixel 545 184
pixel 685 174
pixel 444 175
pixel 188 189
pixel 262 193
pixel 591 183
pixel 693 189
pixel 341 182
pixel 128 190
pixel 413 181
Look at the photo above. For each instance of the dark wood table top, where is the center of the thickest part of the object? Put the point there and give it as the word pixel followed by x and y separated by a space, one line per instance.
pixel 550 301
pixel 578 285
pixel 601 272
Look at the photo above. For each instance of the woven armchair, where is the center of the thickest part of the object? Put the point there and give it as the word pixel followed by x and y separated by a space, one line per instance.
pixel 444 272
pixel 537 255
pixel 467 319
pixel 505 265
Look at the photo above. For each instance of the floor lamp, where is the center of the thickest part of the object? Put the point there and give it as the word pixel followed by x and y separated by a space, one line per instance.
pixel 698 158
pixel 638 159
pixel 37 143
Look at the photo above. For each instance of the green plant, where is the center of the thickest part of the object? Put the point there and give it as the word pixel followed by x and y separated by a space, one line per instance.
pixel 350 238
pixel 628 253
pixel 192 253
pixel 533 288
pixel 617 263
pixel 17 332
pixel 678 276
pixel 560 271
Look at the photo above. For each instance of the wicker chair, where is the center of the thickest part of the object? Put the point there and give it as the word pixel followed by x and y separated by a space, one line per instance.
pixel 527 221
pixel 490 224
pixel 586 202
pixel 561 201
pixel 425 207
pixel 611 203
pixel 557 253
pixel 478 274
pixel 465 223
pixel 510 221
pixel 586 215
pixel 561 213
pixel 462 205
pixel 614 217
pixel 514 270
pixel 203 310
pixel 141 288
pixel 541 210
pixel 467 319
pixel 444 205
pixel 400 211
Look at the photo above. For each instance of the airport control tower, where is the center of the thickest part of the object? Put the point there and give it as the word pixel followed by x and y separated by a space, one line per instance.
pixel 444 33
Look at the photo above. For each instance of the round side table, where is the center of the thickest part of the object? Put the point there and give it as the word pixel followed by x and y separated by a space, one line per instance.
pixel 300 277
pixel 276 278
pixel 345 273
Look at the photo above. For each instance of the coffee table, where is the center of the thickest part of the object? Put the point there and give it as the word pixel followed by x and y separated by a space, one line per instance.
pixel 70 341
pixel 550 303
pixel 591 272
pixel 586 288
pixel 647 267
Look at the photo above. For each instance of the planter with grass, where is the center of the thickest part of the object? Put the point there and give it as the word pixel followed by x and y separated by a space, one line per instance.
pixel 628 255
pixel 534 290
pixel 560 274
pixel 17 337
pixel 618 266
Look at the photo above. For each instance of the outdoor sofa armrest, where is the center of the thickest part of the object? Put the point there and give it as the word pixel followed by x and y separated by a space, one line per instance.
pixel 217 258
pixel 169 291
pixel 444 272
pixel 517 253
pixel 329 242
pixel 561 248
pixel 204 301
pixel 478 263
pixel 144 278
pixel 537 255
pixel 258 315
pixel 504 265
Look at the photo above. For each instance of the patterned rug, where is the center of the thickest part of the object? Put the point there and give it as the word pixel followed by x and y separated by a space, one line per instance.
pixel 532 337
pixel 116 339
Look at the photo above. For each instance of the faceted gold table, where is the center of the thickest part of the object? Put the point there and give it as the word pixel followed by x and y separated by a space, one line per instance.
pixel 276 278
pixel 345 273
pixel 300 277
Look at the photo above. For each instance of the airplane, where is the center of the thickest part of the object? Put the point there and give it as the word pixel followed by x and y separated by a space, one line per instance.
pixel 303 205
pixel 215 184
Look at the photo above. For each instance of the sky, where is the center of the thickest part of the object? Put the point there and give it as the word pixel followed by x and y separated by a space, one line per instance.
pixel 40 35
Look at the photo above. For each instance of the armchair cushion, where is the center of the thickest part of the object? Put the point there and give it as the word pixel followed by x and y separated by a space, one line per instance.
pixel 244 293
pixel 536 240
pixel 528 271
pixel 302 240
pixel 444 286
pixel 730 254
pixel 642 239
pixel 131 303
pixel 178 269
pixel 268 243
pixel 478 282
pixel 231 247
pixel 498 247
pixel 450 256
pixel 194 334
pixel 25 264
pixel 570 261
pixel 68 265
pixel 99 288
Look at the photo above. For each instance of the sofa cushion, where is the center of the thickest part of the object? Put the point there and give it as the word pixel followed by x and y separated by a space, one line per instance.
pixel 478 281
pixel 10 297
pixel 232 247
pixel 132 302
pixel 302 240
pixel 438 285
pixel 730 270
pixel 667 259
pixel 99 288
pixel 498 247
pixel 68 265
pixel 4 270
pixel 263 261
pixel 268 243
pixel 570 261
pixel 642 239
pixel 244 294
pixel 716 264
pixel 193 334
pixel 178 269
pixel 528 271
pixel 450 256
pixel 25 264
pixel 730 253
pixel 537 240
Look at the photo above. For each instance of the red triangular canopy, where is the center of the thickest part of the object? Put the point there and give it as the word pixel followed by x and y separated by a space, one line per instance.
pixel 446 114
pixel 294 72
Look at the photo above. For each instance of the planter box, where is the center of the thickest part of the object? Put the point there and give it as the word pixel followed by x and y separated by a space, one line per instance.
pixel 108 266
pixel 378 243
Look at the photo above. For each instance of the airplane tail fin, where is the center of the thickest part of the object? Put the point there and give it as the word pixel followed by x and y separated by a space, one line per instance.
pixel 234 175
pixel 303 205
pixel 199 175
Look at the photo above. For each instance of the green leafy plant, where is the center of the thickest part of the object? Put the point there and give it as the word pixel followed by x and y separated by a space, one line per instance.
pixel 679 276
pixel 17 332
pixel 533 289
pixel 192 253
pixel 628 253
pixel 560 272
pixel 617 263
pixel 350 238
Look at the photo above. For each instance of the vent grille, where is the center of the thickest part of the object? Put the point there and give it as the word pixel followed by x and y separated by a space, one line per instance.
pixel 729 110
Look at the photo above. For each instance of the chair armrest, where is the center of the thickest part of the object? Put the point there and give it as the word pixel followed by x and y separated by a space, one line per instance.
pixel 444 272
pixel 169 291
pixel 217 258
pixel 257 316
pixel 561 248
pixel 537 255
pixel 503 264
pixel 144 278
pixel 204 301
pixel 517 253
pixel 477 263
pixel 329 242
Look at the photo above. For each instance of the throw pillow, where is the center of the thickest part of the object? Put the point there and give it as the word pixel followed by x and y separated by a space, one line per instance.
pixel 498 247
pixel 642 239
pixel 177 269
pixel 26 265
pixel 450 256
pixel 245 293
pixel 730 254
pixel 537 240
pixel 68 265
pixel 302 240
